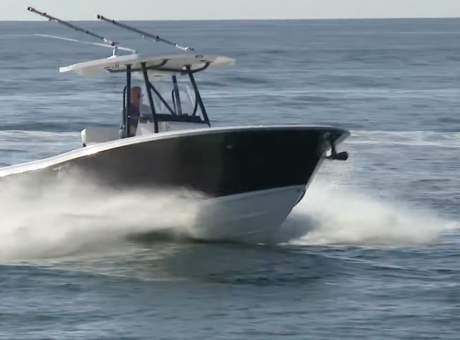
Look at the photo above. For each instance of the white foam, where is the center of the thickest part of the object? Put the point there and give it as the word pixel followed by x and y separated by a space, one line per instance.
pixel 68 217
pixel 410 138
pixel 331 215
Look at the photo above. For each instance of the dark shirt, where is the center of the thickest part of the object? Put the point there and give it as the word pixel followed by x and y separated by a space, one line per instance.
pixel 133 115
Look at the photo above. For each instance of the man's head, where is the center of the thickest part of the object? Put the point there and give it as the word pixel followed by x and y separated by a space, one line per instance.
pixel 136 96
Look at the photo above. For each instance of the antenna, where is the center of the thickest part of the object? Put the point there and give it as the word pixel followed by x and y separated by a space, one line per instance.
pixel 144 34
pixel 108 43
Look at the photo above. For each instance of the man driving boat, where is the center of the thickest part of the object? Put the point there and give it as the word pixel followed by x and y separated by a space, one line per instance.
pixel 136 111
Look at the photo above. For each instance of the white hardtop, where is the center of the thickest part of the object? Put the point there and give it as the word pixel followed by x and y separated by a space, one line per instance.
pixel 158 66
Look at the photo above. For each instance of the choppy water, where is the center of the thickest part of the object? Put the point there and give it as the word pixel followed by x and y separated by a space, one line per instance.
pixel 380 256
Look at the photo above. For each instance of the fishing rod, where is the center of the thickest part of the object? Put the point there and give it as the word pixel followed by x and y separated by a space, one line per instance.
pixel 144 34
pixel 65 23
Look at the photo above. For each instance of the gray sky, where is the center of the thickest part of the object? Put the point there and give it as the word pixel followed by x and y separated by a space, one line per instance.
pixel 229 9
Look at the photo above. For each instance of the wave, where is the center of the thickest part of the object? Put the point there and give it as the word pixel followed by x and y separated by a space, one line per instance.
pixel 410 138
pixel 357 92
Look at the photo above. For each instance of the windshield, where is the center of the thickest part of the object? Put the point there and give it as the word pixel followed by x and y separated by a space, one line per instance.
pixel 173 97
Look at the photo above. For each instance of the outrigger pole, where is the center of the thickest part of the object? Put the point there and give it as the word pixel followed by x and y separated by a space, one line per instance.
pixel 65 23
pixel 144 34
pixel 108 43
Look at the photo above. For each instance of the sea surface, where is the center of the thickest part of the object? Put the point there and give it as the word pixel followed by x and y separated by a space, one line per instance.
pixel 380 254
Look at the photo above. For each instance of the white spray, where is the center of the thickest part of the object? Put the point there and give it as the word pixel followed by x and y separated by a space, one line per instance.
pixel 331 215
pixel 39 220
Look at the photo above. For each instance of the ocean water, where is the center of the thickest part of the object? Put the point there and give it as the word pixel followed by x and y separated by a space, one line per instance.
pixel 378 256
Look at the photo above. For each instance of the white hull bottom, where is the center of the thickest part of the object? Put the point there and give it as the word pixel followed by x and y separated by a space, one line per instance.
pixel 250 217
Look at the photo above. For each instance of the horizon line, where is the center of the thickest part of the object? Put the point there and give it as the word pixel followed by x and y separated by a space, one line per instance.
pixel 246 19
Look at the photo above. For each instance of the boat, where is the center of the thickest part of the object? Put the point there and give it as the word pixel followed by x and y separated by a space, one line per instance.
pixel 251 176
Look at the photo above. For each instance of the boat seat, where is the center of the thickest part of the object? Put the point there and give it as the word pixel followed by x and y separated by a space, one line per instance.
pixel 94 135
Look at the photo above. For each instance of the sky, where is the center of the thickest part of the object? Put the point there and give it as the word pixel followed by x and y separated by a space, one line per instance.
pixel 230 9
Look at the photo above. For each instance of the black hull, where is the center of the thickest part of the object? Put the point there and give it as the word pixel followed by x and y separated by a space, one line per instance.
pixel 215 162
